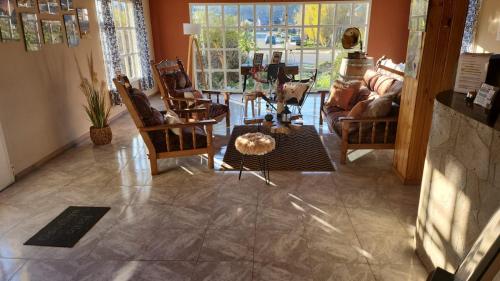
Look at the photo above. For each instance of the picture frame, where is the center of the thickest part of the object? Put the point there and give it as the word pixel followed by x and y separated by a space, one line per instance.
pixel 31 32
pixel 72 31
pixel 83 21
pixel 52 31
pixel 67 5
pixel 9 27
pixel 276 57
pixel 26 4
pixel 49 7
pixel 258 58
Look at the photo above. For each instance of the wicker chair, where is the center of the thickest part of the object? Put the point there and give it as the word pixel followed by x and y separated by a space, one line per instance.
pixel 195 138
pixel 174 82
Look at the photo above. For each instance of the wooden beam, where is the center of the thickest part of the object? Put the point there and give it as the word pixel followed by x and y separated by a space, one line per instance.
pixel 440 52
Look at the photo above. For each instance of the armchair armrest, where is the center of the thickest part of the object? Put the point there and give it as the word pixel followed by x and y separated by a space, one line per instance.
pixel 190 100
pixel 178 125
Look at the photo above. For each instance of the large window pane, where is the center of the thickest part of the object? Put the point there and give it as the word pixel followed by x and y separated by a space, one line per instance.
pixel 231 15
pixel 343 14
pixel 204 59
pixel 278 38
pixel 198 14
pixel 218 80
pixel 246 44
pixel 215 38
pixel 323 80
pixel 325 39
pixel 278 14
pixel 327 14
pixel 214 15
pixel 262 14
pixel 232 60
pixel 232 37
pixel 263 38
pixel 360 14
pixel 233 80
pixel 246 15
pixel 310 37
pixel 311 14
pixel 308 63
pixel 294 14
pixel 216 59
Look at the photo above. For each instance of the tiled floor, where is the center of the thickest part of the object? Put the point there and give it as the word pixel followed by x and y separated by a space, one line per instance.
pixel 191 223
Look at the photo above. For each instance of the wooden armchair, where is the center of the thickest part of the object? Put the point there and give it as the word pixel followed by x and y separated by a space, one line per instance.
pixel 195 138
pixel 174 82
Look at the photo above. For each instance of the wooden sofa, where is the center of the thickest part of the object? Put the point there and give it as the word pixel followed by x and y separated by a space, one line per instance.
pixel 367 133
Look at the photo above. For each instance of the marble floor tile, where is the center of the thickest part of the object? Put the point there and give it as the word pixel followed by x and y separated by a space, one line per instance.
pixel 8 267
pixel 341 247
pixel 280 246
pixel 154 195
pixel 174 244
pixel 342 272
pixel 327 219
pixel 135 270
pixel 277 271
pixel 186 217
pixel 40 270
pixel 279 218
pixel 233 216
pixel 203 198
pixel 223 271
pixel 394 272
pixel 228 244
pixel 374 220
pixel 386 248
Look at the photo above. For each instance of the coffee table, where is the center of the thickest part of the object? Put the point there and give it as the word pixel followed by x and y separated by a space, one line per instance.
pixel 276 126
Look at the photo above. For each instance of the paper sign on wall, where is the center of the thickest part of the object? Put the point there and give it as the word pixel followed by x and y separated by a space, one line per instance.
pixel 471 72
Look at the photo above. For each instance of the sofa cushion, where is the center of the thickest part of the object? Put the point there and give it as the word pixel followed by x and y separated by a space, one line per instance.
pixel 342 94
pixel 359 109
pixel 379 107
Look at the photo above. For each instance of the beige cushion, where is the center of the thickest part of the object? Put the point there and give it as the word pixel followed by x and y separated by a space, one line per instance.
pixel 379 107
pixel 359 109
pixel 172 118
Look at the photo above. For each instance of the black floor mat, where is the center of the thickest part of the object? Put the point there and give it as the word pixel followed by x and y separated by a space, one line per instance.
pixel 69 227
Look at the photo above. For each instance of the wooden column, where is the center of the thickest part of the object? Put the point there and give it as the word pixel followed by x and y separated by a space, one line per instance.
pixel 440 52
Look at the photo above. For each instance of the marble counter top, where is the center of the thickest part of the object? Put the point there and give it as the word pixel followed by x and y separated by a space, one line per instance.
pixel 456 101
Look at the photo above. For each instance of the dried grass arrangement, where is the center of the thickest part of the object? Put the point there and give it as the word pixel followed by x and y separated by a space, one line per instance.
pixel 97 107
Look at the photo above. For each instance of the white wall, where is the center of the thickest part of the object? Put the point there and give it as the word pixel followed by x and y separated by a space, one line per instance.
pixel 40 106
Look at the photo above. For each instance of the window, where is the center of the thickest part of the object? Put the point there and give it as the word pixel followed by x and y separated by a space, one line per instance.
pixel 124 21
pixel 308 34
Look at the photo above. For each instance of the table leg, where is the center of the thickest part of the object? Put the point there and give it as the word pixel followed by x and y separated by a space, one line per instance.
pixel 241 166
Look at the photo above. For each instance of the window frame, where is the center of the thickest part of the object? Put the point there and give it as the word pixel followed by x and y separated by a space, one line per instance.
pixel 270 26
pixel 134 55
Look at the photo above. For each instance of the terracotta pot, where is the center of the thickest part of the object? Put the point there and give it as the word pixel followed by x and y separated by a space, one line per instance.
pixel 101 136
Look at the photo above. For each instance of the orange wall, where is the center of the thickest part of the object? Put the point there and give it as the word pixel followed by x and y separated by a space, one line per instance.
pixel 388 27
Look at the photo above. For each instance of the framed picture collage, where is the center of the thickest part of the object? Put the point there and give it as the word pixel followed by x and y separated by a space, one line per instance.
pixel 43 22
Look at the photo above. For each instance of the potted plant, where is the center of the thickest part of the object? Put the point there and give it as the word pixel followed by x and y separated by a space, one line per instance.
pixel 97 108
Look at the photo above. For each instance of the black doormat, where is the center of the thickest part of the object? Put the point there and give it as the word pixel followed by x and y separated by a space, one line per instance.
pixel 301 150
pixel 69 227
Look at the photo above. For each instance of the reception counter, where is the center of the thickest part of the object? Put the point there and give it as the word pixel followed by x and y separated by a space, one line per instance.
pixel 461 181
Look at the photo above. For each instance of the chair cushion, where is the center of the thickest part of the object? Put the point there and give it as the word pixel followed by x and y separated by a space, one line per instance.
pixel 174 140
pixel 217 109
pixel 149 116
pixel 294 90
pixel 359 109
